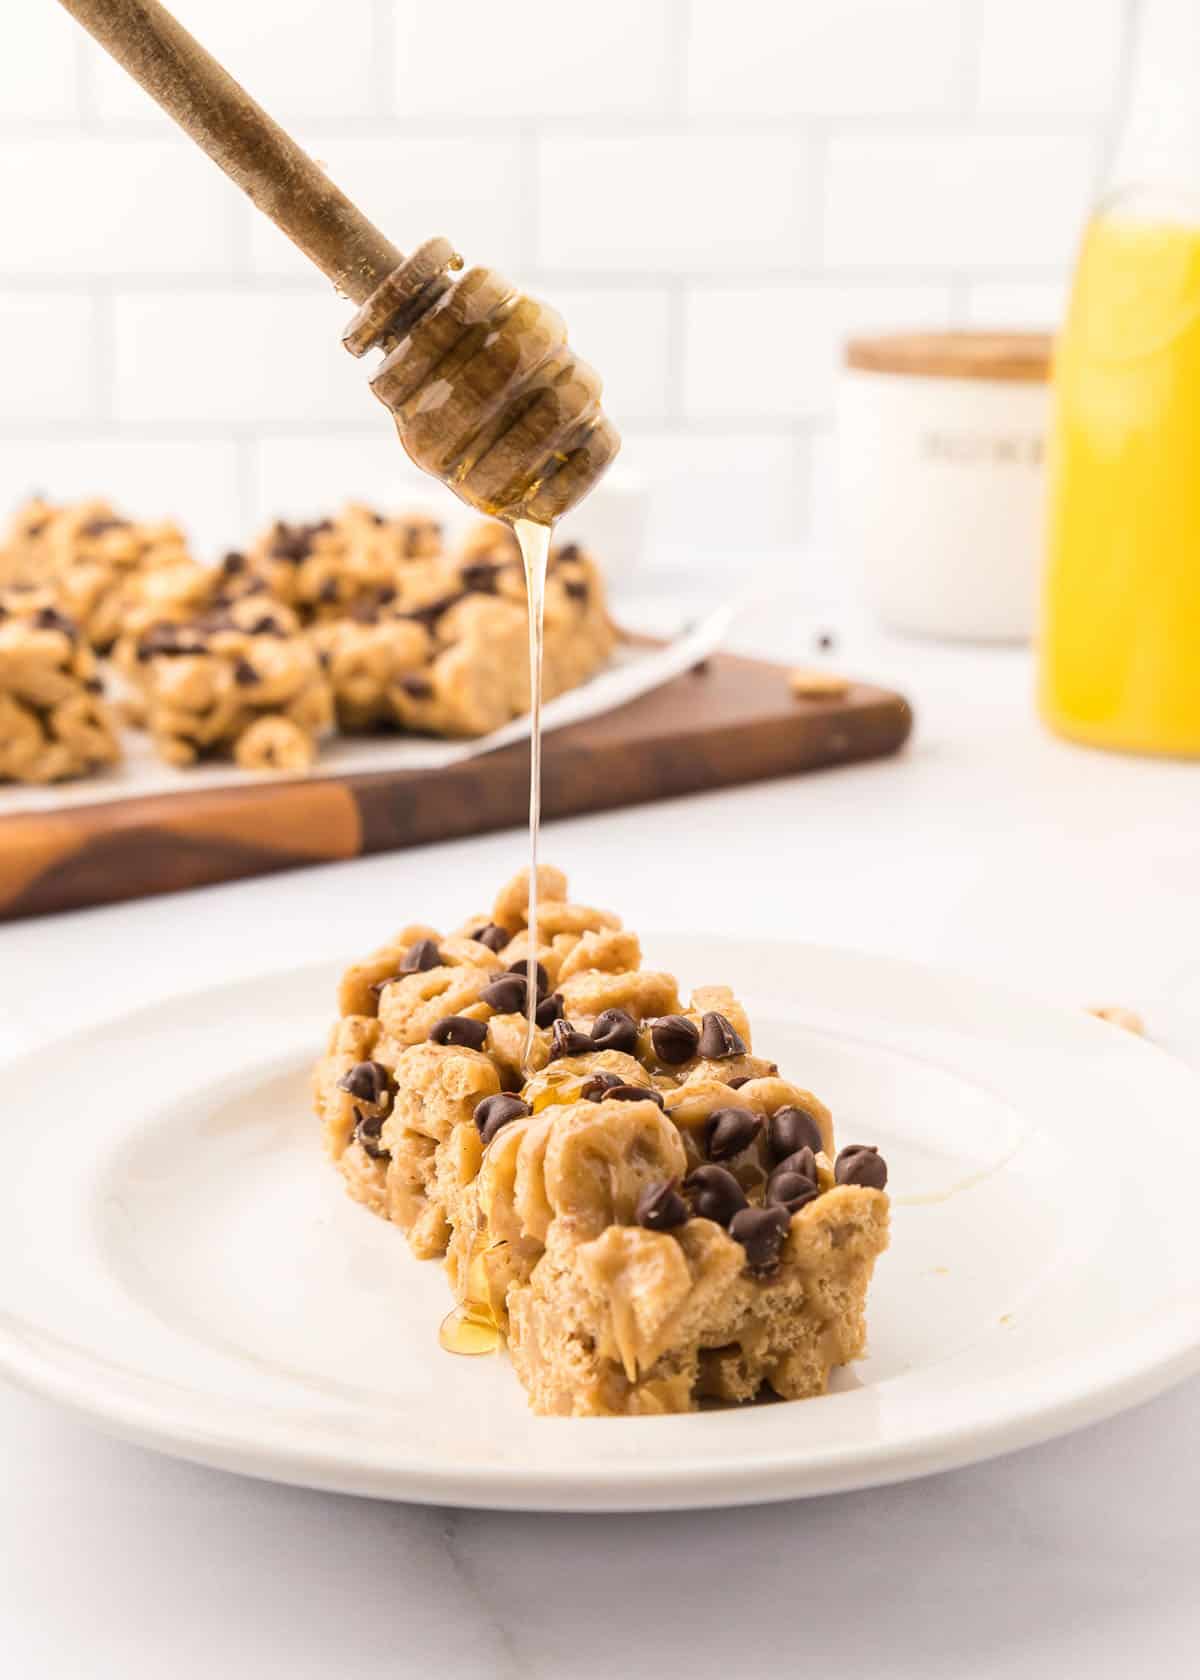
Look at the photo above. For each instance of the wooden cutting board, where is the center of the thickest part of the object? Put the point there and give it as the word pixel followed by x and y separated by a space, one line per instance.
pixel 731 720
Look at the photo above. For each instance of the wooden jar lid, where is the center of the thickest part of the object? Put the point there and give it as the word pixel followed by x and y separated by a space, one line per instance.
pixel 1022 357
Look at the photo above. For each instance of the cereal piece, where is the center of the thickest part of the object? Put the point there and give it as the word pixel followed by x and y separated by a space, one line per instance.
pixel 650 1218
pixel 89 556
pixel 1129 1019
pixel 353 561
pixel 808 684
pixel 238 680
pixel 54 723
pixel 274 743
pixel 443 648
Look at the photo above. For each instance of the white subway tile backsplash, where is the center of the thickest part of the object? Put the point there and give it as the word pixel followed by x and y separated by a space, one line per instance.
pixel 298 58
pixel 47 365
pixel 855 56
pixel 238 358
pixel 470 188
pixel 756 351
pixel 830 578
pixel 685 201
pixel 1036 304
pixel 37 62
pixel 1001 201
pixel 1061 59
pixel 720 493
pixel 153 478
pixel 77 207
pixel 305 475
pixel 713 197
pixel 539 59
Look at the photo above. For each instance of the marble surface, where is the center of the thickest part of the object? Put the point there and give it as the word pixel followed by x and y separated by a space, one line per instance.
pixel 989 847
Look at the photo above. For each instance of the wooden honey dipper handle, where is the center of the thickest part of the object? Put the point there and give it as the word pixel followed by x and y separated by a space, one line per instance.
pixel 516 430
pixel 239 136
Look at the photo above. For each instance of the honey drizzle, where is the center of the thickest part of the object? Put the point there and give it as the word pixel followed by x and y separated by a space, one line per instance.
pixel 534 541
pixel 471 1327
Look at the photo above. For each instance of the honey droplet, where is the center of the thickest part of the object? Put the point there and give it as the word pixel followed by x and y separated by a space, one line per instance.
pixel 463 1332
pixel 553 1085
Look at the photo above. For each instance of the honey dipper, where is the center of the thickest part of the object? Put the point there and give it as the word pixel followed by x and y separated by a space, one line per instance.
pixel 484 389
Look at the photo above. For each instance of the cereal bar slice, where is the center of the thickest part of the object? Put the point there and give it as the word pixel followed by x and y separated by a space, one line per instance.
pixel 645 1208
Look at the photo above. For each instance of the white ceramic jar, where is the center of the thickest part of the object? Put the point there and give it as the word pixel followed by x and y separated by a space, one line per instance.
pixel 940 450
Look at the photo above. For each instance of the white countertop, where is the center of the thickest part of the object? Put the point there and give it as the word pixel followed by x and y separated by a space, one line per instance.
pixel 989 847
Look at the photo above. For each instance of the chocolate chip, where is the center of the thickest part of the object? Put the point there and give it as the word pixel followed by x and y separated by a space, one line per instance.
pixel 328 592
pixel 861 1163
pixel 265 626
pixel 599 1085
pixel 244 673
pixel 615 1029
pixel 742 1079
pixel 715 1193
pixel 417 688
pixel 803 1162
pixel 549 1010
pixel 492 935
pixel 576 588
pixel 421 957
pixel 633 1093
pixel 233 563
pixel 543 979
pixel 762 1232
pixel 494 1112
pixel 660 1207
pixel 460 1030
pixel 480 576
pixel 566 1041
pixel 793 1128
pixel 367 1129
pixel 49 618
pixel 674 1038
pixel 506 995
pixel 729 1131
pixel 293 543
pixel 719 1038
pixel 92 684
pixel 429 615
pixel 97 527
pixel 790 1190
pixel 367 1082
pixel 569 551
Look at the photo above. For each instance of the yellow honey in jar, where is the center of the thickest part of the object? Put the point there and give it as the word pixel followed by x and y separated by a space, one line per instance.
pixel 1120 649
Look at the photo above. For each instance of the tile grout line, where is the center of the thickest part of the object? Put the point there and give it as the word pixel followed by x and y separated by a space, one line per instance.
pixel 104 354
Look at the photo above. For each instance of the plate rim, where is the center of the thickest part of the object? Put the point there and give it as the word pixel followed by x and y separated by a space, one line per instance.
pixel 1163 1351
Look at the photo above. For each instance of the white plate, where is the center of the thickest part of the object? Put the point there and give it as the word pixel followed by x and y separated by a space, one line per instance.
pixel 179 1262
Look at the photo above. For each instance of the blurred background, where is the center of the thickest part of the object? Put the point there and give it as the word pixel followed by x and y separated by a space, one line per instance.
pixel 715 196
